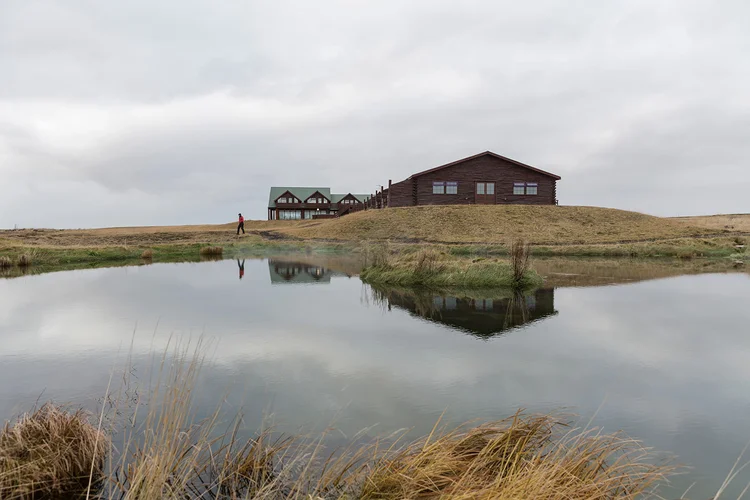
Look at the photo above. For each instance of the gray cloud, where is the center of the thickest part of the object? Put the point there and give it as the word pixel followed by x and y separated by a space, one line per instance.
pixel 135 113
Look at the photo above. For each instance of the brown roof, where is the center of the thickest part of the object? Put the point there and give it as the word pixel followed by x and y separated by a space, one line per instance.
pixel 557 177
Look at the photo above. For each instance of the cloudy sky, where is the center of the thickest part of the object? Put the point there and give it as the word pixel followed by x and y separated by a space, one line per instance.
pixel 169 112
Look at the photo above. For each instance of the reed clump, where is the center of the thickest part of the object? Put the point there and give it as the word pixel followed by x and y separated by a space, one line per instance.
pixel 50 453
pixel 212 251
pixel 525 457
pixel 147 254
pixel 520 253
pixel 5 262
pixel 24 260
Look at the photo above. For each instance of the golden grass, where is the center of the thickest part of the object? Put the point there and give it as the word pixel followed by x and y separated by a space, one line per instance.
pixel 5 262
pixel 50 453
pixel 525 457
pixel 147 254
pixel 730 222
pixel 497 224
pixel 24 260
pixel 212 251
pixel 138 236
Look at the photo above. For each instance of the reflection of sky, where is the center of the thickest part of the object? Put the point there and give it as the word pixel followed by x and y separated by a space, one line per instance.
pixel 668 361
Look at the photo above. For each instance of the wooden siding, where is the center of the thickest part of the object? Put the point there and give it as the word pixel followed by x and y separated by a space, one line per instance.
pixel 402 194
pixel 481 169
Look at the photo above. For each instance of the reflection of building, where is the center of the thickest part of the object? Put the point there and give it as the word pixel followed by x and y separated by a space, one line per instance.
pixel 298 273
pixel 484 318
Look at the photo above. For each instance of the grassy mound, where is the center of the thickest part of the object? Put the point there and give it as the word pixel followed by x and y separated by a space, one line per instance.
pixel 497 224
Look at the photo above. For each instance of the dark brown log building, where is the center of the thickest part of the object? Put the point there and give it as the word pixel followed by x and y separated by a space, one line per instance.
pixel 486 178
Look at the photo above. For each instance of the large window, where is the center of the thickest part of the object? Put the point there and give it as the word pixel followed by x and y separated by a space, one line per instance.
pixel 528 188
pixel 290 214
pixel 438 188
pixel 451 187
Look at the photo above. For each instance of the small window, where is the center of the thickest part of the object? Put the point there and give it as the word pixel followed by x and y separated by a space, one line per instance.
pixel 519 188
pixel 480 187
pixel 438 188
pixel 451 187
pixel 531 188
pixel 490 188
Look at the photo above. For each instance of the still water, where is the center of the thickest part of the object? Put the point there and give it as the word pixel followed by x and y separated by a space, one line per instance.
pixel 666 360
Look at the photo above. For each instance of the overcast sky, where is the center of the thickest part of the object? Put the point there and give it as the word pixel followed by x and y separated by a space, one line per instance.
pixel 142 112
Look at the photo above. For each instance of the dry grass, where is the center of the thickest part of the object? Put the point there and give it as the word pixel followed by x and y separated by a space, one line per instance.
pixel 526 457
pixel 5 262
pixel 212 251
pixel 24 260
pixel 147 254
pixel 519 260
pixel 497 224
pixel 138 236
pixel 50 453
pixel 731 222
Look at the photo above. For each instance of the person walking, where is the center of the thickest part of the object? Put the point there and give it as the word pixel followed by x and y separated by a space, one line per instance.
pixel 241 225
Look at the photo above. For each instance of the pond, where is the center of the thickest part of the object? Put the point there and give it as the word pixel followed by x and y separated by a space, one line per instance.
pixel 304 342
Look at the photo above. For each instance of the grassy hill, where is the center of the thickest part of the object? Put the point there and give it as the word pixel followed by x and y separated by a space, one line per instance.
pixel 542 225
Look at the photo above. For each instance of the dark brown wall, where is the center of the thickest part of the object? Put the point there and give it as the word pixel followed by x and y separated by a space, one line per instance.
pixel 401 194
pixel 482 169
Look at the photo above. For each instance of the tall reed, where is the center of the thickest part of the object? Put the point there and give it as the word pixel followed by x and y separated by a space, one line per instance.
pixel 519 261
pixel 5 262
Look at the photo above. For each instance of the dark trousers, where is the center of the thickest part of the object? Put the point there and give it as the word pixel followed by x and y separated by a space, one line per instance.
pixel 241 226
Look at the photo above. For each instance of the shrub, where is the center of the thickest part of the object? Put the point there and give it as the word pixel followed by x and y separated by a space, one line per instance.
pixel 212 251
pixel 147 254
pixel 24 260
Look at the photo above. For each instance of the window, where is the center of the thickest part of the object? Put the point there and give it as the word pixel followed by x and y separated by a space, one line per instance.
pixel 438 188
pixel 486 188
pixel 451 187
pixel 290 214
pixel 287 199
pixel 529 188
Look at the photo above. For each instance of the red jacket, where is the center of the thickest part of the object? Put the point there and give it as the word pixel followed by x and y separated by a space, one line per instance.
pixel 242 219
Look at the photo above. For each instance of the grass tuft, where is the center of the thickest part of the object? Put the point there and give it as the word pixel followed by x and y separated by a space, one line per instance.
pixel 147 254
pixel 50 453
pixel 212 251
pixel 5 262
pixel 434 268
pixel 24 260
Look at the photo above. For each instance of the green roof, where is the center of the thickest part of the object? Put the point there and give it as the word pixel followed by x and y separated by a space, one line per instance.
pixel 335 198
pixel 302 193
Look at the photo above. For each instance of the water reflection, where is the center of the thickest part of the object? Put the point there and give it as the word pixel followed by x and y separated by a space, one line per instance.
pixel 299 273
pixel 483 314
